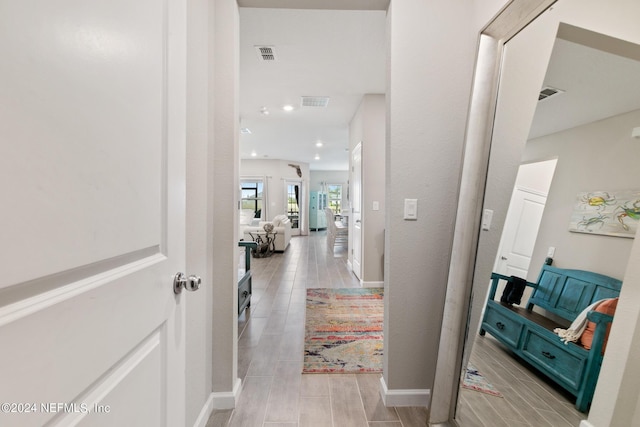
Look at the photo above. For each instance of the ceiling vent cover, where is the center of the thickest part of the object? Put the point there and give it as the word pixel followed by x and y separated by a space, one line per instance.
pixel 314 101
pixel 266 53
pixel 548 91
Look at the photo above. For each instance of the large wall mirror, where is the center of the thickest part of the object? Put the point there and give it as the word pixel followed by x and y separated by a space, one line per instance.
pixel 545 151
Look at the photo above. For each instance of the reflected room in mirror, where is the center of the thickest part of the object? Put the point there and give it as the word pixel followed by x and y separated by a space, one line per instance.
pixel 579 119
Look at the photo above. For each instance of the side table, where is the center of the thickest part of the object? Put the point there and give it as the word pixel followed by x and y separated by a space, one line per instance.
pixel 265 241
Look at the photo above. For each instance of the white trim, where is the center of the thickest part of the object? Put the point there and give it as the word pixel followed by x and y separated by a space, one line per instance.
pixel 117 375
pixel 530 191
pixel 205 413
pixel 377 284
pixel 25 307
pixel 414 397
pixel 586 423
pixel 226 399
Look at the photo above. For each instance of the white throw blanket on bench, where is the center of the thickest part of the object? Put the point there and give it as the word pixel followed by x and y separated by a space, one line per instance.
pixel 576 329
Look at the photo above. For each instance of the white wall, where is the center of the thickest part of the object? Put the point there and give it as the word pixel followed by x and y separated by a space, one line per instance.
pixel 430 67
pixel 222 198
pixel 275 172
pixel 597 156
pixel 198 314
pixel 328 177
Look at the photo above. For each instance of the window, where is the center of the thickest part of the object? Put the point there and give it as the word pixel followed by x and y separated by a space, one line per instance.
pixel 335 197
pixel 252 194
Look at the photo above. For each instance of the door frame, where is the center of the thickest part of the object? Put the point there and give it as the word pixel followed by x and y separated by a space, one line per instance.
pixel 302 208
pixel 356 217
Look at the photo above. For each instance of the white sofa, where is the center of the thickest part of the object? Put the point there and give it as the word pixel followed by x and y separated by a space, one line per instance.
pixel 246 219
pixel 281 225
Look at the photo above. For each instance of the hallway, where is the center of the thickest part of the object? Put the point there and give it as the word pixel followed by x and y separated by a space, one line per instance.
pixel 270 351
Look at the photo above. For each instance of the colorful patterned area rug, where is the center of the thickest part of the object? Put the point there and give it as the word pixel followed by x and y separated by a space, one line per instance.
pixel 343 330
pixel 474 380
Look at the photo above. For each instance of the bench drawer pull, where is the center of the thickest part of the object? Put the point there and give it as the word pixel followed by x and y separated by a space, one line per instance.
pixel 548 355
pixel 500 325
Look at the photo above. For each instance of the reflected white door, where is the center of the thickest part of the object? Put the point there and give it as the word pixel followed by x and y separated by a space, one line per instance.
pixel 356 216
pixel 519 234
pixel 92 224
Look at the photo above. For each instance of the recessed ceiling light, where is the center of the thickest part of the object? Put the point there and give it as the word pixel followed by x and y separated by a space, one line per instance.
pixel 319 144
pixel 288 108
pixel 253 153
pixel 317 157
pixel 264 111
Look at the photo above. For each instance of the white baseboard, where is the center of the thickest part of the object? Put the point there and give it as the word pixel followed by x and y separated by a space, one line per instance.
pixel 372 284
pixel 224 400
pixel 227 399
pixel 585 423
pixel 416 397
pixel 205 413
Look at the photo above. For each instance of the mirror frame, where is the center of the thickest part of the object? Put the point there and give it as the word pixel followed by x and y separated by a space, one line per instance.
pixel 507 23
pixel 618 368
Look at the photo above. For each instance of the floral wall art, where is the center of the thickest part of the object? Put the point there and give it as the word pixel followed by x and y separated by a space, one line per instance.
pixel 611 213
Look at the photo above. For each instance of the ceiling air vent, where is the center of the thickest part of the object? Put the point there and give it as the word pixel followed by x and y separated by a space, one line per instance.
pixel 314 101
pixel 266 53
pixel 548 92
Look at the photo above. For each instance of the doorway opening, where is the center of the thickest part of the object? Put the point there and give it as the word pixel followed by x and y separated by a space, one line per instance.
pixel 295 209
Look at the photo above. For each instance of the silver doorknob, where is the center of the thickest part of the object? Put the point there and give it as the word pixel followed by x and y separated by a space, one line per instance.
pixel 191 283
pixel 504 258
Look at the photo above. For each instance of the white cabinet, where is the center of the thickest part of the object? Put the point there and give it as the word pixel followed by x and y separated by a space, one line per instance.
pixel 317 203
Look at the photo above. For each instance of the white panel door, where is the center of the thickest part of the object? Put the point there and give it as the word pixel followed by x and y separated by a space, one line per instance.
pixel 519 235
pixel 356 216
pixel 92 117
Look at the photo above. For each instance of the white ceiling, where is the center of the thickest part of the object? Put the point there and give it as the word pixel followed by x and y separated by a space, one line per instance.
pixel 598 85
pixel 339 54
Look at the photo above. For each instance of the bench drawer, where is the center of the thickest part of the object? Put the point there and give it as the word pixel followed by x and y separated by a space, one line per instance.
pixel 502 326
pixel 244 292
pixel 554 356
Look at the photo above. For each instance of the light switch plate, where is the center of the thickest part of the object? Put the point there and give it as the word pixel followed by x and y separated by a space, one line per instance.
pixel 487 216
pixel 376 206
pixel 411 209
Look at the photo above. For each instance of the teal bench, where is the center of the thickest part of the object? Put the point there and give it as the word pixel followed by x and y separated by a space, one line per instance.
pixel 529 334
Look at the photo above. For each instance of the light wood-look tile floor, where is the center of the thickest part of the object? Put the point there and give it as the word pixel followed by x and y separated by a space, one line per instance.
pixel 270 351
pixel 276 394
pixel 529 399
